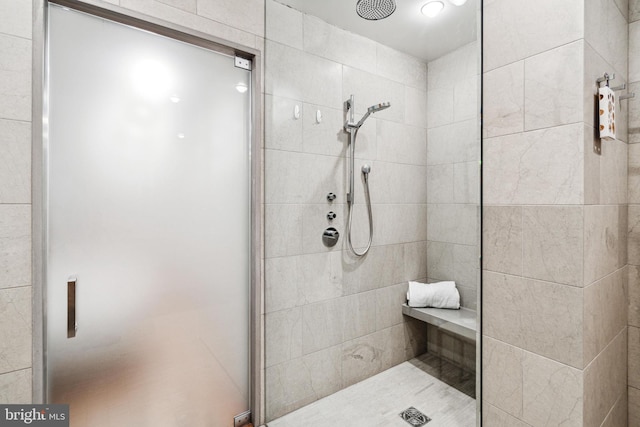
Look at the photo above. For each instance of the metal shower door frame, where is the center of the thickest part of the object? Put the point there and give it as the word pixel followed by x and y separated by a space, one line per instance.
pixel 39 157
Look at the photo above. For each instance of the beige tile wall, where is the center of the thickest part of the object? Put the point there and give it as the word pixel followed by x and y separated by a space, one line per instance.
pixel 15 202
pixel 453 172
pixel 633 377
pixel 332 319
pixel 555 215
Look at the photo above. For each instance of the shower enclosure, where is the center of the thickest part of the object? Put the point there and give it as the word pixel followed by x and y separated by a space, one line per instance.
pixel 335 335
pixel 148 202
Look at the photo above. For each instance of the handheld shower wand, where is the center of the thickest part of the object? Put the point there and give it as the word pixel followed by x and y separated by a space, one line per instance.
pixel 352 128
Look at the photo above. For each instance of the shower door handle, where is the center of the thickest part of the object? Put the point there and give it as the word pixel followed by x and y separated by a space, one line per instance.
pixel 71 307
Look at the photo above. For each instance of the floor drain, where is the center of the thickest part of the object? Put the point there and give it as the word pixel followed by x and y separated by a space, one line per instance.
pixel 414 417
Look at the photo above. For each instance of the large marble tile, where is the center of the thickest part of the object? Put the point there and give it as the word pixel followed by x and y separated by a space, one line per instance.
pixel 634 296
pixel 416 107
pixel 282 130
pixel 15 387
pixel 246 15
pixel 326 89
pixel 397 224
pixel 398 66
pixel 613 173
pixel 465 99
pixel 302 279
pixel 15 18
pixel 633 378
pixel 292 385
pixel 283 66
pixel 503 106
pixel 15 162
pixel 634 402
pixel 217 28
pixel 551 88
pixel 359 315
pixel 440 260
pixel 388 183
pixel 15 246
pixel 440 183
pixel 453 223
pixel 415 261
pixel 283 230
pixel 283 24
pixel 623 223
pixel 634 10
pixel 336 44
pixel 553 244
pixel 466 261
pixel 383 266
pixel 439 107
pixel 633 237
pixel 634 51
pixel 494 417
pixel 605 380
pixel 634 114
pixel 466 182
pixel 328 136
pixel 322 325
pixel 606 30
pixel 601 241
pixel 389 301
pixel 370 89
pixel 634 173
pixel 502 239
pixel 618 417
pixel 604 313
pixel 512 29
pixel 543 317
pixel 15 78
pixel 399 143
pixel 15 329
pixel 453 67
pixel 502 376
pixel 552 393
pixel 518 168
pixel 302 178
pixel 453 143
pixel 283 336
pixel 186 5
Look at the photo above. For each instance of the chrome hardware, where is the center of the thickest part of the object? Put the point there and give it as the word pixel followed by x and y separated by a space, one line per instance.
pixel 331 216
pixel 330 237
pixel 331 197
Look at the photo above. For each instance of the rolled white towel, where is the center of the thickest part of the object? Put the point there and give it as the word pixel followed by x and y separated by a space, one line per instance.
pixel 437 295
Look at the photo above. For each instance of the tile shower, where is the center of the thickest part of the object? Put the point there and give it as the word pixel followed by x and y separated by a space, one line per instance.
pixel 333 320
pixel 516 45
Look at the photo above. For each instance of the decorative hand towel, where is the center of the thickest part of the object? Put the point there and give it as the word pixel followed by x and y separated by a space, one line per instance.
pixel 607 113
pixel 437 295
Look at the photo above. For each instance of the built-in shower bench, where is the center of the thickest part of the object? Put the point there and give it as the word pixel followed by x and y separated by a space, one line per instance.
pixel 461 322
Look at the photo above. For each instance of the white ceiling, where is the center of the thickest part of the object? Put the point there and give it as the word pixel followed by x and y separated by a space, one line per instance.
pixel 406 29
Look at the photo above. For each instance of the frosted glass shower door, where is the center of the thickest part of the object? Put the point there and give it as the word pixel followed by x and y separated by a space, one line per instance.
pixel 148 214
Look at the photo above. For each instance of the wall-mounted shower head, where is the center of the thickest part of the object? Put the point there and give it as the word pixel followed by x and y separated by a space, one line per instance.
pixel 378 107
pixel 373 109
pixel 374 10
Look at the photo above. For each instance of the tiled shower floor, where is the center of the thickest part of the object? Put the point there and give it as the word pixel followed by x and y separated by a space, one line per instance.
pixel 378 401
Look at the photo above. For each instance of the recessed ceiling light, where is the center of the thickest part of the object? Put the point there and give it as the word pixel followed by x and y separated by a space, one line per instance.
pixel 432 8
pixel 242 87
pixel 458 2
pixel 174 98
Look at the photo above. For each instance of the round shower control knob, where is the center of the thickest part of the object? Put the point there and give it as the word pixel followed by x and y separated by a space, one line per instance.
pixel 330 237
pixel 331 216
pixel 331 197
